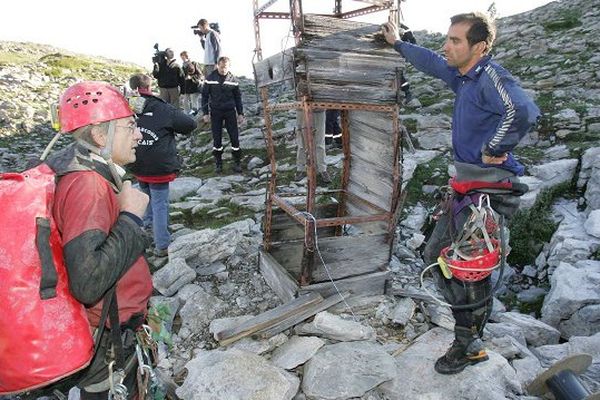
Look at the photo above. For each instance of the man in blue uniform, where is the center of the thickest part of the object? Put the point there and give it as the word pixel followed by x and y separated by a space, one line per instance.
pixel 222 105
pixel 491 115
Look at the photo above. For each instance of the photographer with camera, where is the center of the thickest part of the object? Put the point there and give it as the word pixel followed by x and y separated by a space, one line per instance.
pixel 169 75
pixel 211 43
pixel 192 86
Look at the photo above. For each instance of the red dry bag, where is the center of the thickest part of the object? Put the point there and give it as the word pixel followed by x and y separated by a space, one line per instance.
pixel 44 332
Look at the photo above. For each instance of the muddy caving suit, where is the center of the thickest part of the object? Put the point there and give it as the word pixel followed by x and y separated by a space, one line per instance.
pixel 491 114
pixel 103 247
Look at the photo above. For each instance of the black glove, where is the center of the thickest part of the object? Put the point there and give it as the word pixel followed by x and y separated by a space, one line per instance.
pixel 407 36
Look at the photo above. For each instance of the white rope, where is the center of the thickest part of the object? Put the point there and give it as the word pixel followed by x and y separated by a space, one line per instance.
pixel 309 215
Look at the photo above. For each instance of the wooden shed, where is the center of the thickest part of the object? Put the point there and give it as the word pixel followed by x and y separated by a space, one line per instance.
pixel 345 65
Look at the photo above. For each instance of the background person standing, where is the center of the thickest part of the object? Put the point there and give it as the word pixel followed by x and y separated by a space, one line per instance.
pixel 192 85
pixel 222 105
pixel 169 76
pixel 211 43
pixel 157 163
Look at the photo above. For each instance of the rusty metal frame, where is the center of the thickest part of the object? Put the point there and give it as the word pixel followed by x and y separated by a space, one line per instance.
pixel 306 106
pixel 333 106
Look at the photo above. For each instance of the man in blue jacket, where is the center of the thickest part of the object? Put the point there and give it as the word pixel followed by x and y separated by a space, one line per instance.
pixel 157 162
pixel 491 115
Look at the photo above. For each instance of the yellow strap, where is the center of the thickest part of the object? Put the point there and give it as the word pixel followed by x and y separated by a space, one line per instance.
pixel 444 267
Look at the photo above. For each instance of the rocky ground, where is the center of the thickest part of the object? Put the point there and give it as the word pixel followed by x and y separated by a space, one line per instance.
pixel 376 347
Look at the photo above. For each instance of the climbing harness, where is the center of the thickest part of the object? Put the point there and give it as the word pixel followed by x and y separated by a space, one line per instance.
pixel 475 253
pixel 480 246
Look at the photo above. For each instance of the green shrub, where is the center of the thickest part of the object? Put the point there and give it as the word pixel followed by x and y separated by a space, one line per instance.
pixel 569 19
pixel 530 229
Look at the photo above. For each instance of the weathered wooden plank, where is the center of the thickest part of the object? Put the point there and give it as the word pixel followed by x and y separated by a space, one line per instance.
pixel 366 149
pixel 369 228
pixel 277 68
pixel 350 256
pixel 285 228
pixel 378 125
pixel 307 313
pixel 350 94
pixel 334 33
pixel 371 284
pixel 344 256
pixel 268 318
pixel 277 277
pixel 376 192
pixel 289 256
pixel 342 59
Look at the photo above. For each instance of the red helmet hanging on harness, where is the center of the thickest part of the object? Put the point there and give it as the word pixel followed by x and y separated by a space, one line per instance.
pixel 475 252
pixel 89 103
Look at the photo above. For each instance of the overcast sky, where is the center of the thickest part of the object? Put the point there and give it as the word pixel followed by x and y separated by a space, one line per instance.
pixel 127 30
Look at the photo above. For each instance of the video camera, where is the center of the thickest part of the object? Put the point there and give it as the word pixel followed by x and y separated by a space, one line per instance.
pixel 213 25
pixel 159 55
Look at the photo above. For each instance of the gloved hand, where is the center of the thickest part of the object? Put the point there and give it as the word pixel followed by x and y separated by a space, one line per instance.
pixel 406 34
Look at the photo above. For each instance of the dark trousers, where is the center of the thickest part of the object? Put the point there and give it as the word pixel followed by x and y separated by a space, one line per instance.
pixel 229 119
pixel 332 125
pixel 455 291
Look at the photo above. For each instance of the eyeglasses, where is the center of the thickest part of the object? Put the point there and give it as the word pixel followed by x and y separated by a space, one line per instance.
pixel 130 128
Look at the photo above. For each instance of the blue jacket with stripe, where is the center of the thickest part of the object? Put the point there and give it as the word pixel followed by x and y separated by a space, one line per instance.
pixel 491 113
pixel 222 93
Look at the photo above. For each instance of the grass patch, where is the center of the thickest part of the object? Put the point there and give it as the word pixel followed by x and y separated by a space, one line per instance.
pixel 432 173
pixel 59 65
pixel 410 125
pixel 529 154
pixel 530 229
pixel 204 219
pixel 278 125
pixel 511 302
pixel 547 104
pixel 427 101
pixel 568 19
pixel 7 58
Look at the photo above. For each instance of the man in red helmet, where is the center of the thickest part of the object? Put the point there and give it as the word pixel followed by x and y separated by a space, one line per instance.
pixel 100 220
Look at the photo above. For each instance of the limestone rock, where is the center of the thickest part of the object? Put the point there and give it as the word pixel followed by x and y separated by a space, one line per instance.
pixel 182 187
pixel 416 379
pixel 331 326
pixel 174 275
pixel 235 375
pixel 347 370
pixel 296 351
pixel 573 288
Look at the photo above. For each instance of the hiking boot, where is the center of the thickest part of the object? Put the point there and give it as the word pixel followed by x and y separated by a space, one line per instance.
pixel 299 175
pixel 458 357
pixel 218 155
pixel 324 177
pixel 237 168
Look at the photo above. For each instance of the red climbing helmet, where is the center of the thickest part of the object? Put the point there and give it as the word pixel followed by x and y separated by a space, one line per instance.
pixel 90 102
